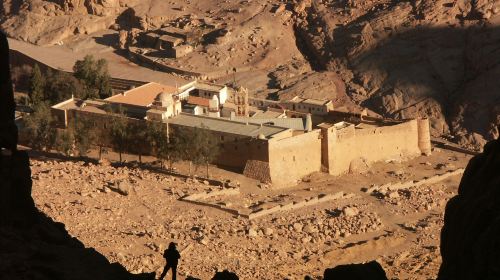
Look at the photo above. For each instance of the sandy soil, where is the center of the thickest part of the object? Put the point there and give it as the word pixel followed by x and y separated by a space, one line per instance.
pixel 400 228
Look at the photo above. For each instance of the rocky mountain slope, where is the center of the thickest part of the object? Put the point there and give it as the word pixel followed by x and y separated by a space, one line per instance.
pixel 413 58
pixel 401 59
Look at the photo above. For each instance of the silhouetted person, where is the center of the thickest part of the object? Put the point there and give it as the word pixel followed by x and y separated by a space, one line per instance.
pixel 172 257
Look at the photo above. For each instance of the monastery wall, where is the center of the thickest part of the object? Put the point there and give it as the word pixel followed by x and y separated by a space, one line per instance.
pixel 348 144
pixel 292 158
pixel 237 150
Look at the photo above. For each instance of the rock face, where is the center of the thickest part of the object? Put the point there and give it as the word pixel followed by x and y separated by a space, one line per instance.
pixel 50 22
pixel 470 239
pixel 8 130
pixel 32 245
pixel 16 205
pixel 442 53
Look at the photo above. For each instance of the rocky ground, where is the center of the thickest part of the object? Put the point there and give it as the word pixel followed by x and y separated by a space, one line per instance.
pixel 129 214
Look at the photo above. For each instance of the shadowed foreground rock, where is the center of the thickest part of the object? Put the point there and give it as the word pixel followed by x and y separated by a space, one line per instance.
pixel 367 271
pixel 225 275
pixel 470 239
pixel 32 246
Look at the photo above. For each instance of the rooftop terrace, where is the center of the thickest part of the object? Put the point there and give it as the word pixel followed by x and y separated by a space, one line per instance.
pixel 143 95
pixel 226 126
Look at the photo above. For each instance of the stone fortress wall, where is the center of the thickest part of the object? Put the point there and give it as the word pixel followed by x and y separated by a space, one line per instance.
pixel 292 158
pixel 288 156
pixel 345 145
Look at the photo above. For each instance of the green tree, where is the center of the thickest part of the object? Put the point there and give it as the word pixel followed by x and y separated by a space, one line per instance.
pixel 138 139
pixel 206 147
pixel 61 86
pixel 120 132
pixel 85 134
pixel 183 140
pixel 94 74
pixel 157 136
pixel 100 135
pixel 37 86
pixel 21 76
pixel 65 141
pixel 198 145
pixel 39 124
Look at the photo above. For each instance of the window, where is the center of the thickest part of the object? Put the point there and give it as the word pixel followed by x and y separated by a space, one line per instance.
pixel 221 138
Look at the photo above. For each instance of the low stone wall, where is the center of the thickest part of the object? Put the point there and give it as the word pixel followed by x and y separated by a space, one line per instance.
pixel 289 206
pixel 410 184
pixel 206 195
pixel 298 204
pixel 197 197
pixel 162 67
pixel 170 69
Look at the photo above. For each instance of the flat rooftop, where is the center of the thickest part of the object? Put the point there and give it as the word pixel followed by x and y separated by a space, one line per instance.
pixel 292 123
pixel 208 87
pixel 226 126
pixel 269 114
pixel 94 106
pixel 312 101
pixel 141 96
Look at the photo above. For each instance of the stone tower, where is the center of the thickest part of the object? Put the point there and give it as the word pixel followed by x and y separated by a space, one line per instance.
pixel 241 102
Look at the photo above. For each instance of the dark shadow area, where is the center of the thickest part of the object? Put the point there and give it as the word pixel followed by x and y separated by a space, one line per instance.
pixel 49 156
pixel 211 37
pixel 443 145
pixel 367 271
pixel 308 51
pixel 33 246
pixel 333 213
pixel 470 238
pixel 158 54
pixel 225 275
pixel 128 20
pixel 110 40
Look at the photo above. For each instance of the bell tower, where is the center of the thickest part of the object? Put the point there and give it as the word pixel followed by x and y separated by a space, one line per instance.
pixel 241 102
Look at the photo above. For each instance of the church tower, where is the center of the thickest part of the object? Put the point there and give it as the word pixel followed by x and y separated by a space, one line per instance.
pixel 241 102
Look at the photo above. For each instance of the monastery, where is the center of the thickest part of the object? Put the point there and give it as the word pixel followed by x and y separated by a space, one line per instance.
pixel 276 142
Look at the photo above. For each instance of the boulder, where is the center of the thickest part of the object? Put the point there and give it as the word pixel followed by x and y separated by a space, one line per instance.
pixel 350 211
